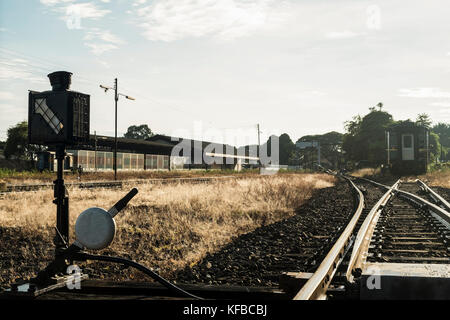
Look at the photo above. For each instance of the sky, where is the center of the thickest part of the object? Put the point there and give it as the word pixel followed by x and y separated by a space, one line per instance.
pixel 213 70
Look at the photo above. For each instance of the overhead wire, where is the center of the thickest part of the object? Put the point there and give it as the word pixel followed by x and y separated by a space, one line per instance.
pixel 38 63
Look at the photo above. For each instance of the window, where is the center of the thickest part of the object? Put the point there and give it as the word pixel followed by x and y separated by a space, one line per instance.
pixel 140 161
pixel 119 160
pixel 407 141
pixel 100 160
pixel 109 160
pixel 91 160
pixel 126 160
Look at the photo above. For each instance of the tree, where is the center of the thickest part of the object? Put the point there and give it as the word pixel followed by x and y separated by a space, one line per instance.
pixel 17 140
pixel 287 147
pixel 352 126
pixel 443 131
pixel 365 137
pixel 330 149
pixel 17 143
pixel 435 146
pixel 141 132
pixel 424 120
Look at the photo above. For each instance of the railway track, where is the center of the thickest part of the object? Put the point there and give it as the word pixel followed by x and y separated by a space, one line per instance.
pixel 110 184
pixel 394 245
pixel 402 248
pixel 398 248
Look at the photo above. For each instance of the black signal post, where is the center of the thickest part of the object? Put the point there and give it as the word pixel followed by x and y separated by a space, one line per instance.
pixel 62 203
pixel 116 98
pixel 58 118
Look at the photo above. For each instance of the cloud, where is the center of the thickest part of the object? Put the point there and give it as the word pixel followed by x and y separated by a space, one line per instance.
pixel 139 2
pixel 228 19
pixel 97 40
pixel 423 93
pixel 18 69
pixel 343 35
pixel 53 2
pixel 75 11
pixel 100 48
pixel 105 35
pixel 4 95
pixel 85 10
pixel 101 41
pixel 310 94
pixel 441 104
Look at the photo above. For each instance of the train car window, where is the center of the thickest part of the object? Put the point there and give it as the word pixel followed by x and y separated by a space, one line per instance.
pixel 407 141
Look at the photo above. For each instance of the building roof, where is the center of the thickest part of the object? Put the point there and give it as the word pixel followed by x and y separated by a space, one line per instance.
pixel 160 138
pixel 106 143
pixel 195 143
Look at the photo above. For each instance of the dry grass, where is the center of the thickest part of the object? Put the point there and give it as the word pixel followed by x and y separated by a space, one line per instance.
pixel 437 178
pixel 34 177
pixel 170 226
pixel 440 178
pixel 366 172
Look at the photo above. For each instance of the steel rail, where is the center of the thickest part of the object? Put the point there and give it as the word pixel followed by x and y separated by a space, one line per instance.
pixel 441 213
pixel 434 195
pixel 107 184
pixel 316 287
pixel 362 241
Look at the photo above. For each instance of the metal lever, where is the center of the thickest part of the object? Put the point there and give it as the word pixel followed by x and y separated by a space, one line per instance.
pixel 122 202
pixel 95 227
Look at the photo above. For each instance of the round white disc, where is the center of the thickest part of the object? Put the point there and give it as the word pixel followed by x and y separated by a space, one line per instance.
pixel 95 228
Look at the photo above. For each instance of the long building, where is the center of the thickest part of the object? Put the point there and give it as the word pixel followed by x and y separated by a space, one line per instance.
pixel 157 153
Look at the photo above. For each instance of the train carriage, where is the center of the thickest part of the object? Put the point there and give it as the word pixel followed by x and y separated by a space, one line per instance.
pixel 407 148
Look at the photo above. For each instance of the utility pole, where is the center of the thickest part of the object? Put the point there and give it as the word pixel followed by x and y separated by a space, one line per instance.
pixel 428 148
pixel 388 149
pixel 259 140
pixel 318 152
pixel 116 99
pixel 95 150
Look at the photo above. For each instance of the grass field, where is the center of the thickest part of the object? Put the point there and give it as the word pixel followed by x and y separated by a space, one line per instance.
pixel 36 177
pixel 436 178
pixel 165 226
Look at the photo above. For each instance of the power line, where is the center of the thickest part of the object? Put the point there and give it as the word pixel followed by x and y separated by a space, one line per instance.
pixel 49 66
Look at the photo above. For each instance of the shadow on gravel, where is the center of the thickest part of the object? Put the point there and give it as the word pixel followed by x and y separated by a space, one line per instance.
pixel 297 244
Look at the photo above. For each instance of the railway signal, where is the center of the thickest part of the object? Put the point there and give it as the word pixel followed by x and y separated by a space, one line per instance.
pixel 59 116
